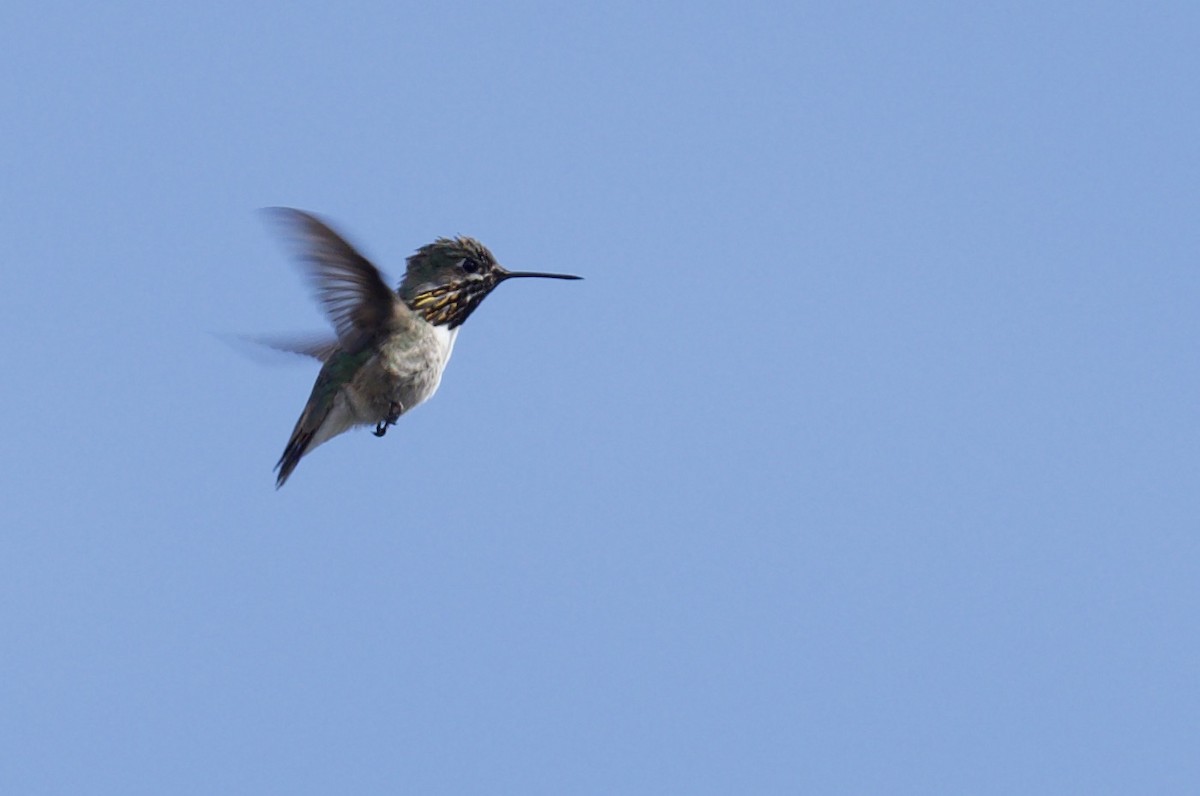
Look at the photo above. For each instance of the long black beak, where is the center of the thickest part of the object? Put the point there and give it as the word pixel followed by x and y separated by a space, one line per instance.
pixel 538 274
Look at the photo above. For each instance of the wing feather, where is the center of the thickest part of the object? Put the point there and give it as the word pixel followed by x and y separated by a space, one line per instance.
pixel 349 287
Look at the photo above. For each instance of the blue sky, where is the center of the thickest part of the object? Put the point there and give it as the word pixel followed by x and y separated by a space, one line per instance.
pixel 863 461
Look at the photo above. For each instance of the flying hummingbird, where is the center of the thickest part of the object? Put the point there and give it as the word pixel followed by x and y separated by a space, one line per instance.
pixel 391 346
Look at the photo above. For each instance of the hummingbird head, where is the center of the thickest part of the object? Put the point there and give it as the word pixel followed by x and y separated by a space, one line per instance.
pixel 447 279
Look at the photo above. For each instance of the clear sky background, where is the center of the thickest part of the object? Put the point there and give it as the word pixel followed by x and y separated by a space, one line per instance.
pixel 863 461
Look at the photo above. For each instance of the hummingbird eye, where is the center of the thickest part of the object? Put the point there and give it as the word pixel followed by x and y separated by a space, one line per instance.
pixel 469 265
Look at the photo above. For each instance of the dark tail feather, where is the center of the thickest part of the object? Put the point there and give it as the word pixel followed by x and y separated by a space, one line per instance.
pixel 320 401
pixel 292 454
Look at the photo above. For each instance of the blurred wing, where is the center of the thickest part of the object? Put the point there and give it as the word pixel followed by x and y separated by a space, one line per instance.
pixel 320 348
pixel 349 287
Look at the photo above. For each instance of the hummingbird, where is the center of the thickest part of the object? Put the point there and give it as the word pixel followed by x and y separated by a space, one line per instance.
pixel 391 346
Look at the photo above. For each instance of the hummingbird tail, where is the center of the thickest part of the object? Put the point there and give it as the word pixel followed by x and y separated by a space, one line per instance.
pixel 296 448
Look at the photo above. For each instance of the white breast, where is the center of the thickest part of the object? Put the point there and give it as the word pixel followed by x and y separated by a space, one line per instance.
pixel 414 364
pixel 444 339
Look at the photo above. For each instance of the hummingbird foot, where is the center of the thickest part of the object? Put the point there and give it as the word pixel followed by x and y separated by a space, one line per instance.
pixel 394 412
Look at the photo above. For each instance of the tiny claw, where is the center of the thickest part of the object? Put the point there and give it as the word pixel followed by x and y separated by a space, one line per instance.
pixel 395 409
